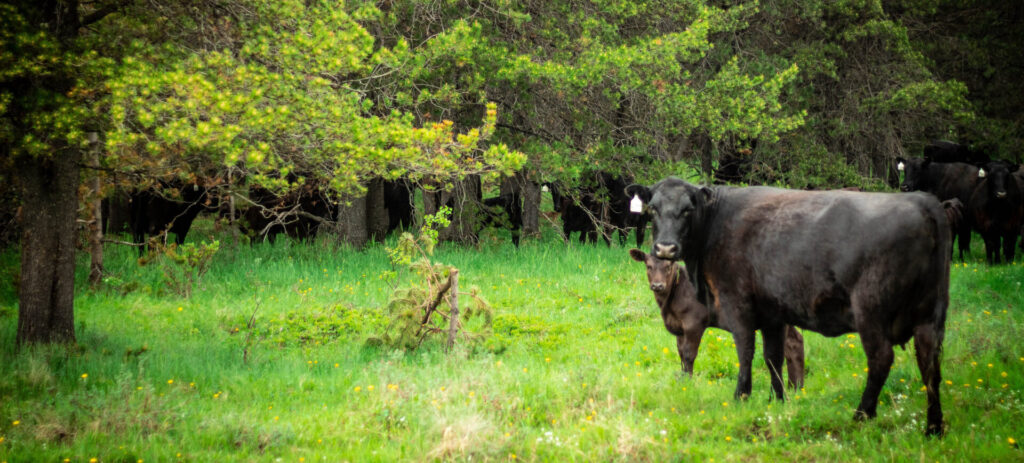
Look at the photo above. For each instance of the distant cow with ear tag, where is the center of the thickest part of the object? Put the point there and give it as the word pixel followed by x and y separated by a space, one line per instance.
pixel 996 209
pixel 833 262
pixel 686 318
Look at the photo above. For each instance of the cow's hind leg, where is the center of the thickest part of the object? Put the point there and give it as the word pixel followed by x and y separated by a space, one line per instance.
pixel 774 344
pixel 879 353
pixel 928 346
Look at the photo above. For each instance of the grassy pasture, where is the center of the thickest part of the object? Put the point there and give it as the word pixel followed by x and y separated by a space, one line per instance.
pixel 578 368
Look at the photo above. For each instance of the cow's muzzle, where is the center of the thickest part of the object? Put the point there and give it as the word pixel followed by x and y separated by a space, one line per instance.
pixel 1000 194
pixel 657 287
pixel 905 188
pixel 665 251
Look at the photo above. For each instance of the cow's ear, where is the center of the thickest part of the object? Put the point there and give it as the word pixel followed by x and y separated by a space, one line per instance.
pixel 638 255
pixel 706 194
pixel 639 190
pixel 901 163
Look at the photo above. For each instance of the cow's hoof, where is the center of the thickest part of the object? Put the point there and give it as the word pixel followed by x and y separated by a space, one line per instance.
pixel 861 415
pixel 935 430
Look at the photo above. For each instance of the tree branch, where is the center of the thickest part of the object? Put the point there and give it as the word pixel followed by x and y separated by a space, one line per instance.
pixel 101 13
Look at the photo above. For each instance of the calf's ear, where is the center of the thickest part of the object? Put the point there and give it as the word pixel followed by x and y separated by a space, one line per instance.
pixel 638 255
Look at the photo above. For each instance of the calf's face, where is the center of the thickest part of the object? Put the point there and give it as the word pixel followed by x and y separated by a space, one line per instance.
pixel 660 272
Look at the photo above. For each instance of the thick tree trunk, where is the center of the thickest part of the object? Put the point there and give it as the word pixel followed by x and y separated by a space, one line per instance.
pixel 47 290
pixel 465 211
pixel 352 222
pixel 376 210
pixel 531 207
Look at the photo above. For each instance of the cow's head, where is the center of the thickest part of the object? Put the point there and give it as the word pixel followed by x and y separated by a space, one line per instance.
pixel 677 209
pixel 997 175
pixel 913 173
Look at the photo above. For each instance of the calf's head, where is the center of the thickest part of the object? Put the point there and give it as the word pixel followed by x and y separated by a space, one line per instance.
pixel 661 273
pixel 677 209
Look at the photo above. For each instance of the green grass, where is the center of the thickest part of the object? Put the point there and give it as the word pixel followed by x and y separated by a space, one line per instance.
pixel 579 368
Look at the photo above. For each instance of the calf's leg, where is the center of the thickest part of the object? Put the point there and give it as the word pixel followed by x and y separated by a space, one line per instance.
pixel 793 350
pixel 687 345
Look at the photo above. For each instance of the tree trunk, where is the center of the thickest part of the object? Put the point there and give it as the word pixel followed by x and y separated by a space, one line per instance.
pixel 531 208
pixel 352 227
pixel 376 211
pixel 464 213
pixel 47 289
pixel 95 223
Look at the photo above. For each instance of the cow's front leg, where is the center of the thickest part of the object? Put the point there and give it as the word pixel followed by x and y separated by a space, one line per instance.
pixel 744 339
pixel 774 341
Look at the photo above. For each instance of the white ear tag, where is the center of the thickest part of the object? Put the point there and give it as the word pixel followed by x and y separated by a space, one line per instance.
pixel 981 173
pixel 899 167
pixel 544 188
pixel 636 205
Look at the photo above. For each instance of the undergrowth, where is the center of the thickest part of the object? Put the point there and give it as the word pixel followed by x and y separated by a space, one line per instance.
pixel 267 361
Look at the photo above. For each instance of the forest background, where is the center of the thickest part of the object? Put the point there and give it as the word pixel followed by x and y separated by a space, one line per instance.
pixel 101 95
pixel 810 94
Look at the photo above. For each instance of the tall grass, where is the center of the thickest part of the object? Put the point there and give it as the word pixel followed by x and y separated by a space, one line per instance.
pixel 267 360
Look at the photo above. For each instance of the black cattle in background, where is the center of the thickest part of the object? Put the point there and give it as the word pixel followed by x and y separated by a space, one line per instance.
pixel 945 181
pixel 297 213
pixel 956 214
pixel 601 205
pixel 995 208
pixel 1019 178
pixel 947 151
pixel 734 166
pixel 833 262
pixel 117 212
pixel 504 211
pixel 169 207
pixel 398 200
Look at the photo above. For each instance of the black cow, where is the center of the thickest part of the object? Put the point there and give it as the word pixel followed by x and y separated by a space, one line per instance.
pixel 580 214
pixel 833 262
pixel 995 208
pixel 947 151
pixel 504 211
pixel 686 318
pixel 945 181
pixel 169 207
pixel 955 214
pixel 398 201
pixel 601 206
pixel 1019 177
pixel 297 213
